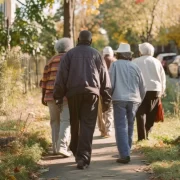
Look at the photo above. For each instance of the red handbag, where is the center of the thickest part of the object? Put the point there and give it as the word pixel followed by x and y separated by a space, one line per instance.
pixel 160 112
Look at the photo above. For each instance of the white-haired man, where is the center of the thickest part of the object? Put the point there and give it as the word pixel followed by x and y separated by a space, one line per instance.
pixel 59 120
pixel 155 83
pixel 105 120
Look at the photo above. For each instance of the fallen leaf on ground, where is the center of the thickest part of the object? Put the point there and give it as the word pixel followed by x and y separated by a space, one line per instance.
pixel 17 169
pixel 138 170
pixel 11 178
pixel 33 176
pixel 43 170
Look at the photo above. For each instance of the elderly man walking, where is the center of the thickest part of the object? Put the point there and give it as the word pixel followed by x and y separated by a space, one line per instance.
pixel 105 120
pixel 82 77
pixel 155 82
pixel 128 92
pixel 60 121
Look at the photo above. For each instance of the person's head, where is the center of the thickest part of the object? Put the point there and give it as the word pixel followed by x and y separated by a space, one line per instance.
pixel 85 37
pixel 124 52
pixel 146 49
pixel 108 52
pixel 63 45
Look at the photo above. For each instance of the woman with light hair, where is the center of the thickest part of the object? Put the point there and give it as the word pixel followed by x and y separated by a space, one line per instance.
pixel 59 117
pixel 155 82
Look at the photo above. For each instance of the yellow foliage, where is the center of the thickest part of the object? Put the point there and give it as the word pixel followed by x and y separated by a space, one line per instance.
pixel 49 1
pixel 119 38
pixel 92 11
pixel 11 178
pixel 174 35
pixel 100 1
pixel 92 6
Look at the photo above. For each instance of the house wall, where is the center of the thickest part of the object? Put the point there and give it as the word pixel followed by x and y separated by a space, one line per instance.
pixel 9 8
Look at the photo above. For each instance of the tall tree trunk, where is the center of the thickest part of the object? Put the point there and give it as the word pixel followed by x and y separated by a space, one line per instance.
pixel 68 18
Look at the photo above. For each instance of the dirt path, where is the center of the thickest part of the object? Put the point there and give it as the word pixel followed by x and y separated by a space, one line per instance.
pixel 103 165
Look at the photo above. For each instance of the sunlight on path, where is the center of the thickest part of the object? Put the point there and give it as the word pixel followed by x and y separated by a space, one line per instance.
pixel 103 165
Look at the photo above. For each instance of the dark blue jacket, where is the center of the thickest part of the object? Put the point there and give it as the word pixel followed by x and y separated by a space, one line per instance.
pixel 82 71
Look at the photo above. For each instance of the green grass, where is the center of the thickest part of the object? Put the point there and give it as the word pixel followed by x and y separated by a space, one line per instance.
pixel 20 157
pixel 25 120
pixel 163 149
pixel 171 102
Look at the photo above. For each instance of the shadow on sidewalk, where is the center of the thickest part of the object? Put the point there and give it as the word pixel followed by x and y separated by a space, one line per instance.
pixel 103 165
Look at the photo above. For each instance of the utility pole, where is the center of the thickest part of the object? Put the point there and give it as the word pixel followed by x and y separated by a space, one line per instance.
pixel 37 74
pixel 8 34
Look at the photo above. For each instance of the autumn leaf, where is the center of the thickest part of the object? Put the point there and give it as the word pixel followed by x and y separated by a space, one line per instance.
pixel 139 1
pixel 11 177
pixel 17 169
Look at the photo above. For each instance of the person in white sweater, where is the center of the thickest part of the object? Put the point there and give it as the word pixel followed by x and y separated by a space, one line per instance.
pixel 155 83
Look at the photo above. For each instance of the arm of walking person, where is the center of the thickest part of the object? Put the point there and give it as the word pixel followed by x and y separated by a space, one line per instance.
pixel 43 84
pixel 142 87
pixel 163 80
pixel 112 76
pixel 105 89
pixel 61 80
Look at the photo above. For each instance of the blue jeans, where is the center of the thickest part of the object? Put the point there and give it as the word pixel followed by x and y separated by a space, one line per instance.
pixel 124 115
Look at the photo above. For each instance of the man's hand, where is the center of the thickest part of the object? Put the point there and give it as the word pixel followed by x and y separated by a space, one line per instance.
pixel 60 105
pixel 43 95
pixel 43 102
pixel 163 95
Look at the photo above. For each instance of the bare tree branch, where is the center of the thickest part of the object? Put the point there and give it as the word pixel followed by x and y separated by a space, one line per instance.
pixel 21 3
pixel 152 22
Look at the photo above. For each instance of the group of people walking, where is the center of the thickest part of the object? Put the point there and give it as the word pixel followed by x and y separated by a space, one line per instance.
pixel 80 85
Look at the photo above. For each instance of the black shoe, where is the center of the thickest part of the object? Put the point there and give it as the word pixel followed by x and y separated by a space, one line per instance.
pixel 81 164
pixel 125 160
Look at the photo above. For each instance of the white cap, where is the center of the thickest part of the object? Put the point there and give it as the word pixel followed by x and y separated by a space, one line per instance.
pixel 123 47
pixel 108 50
pixel 146 49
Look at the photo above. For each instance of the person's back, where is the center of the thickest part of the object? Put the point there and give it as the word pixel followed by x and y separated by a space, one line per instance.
pixel 152 70
pixel 127 77
pixel 85 64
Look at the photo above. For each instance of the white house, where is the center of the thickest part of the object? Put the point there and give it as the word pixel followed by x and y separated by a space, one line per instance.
pixel 8 7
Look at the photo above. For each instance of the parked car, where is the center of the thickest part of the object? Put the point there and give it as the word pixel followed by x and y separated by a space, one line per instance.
pixel 166 59
pixel 174 67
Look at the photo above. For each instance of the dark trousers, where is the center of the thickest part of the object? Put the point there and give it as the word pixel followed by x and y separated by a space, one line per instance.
pixel 83 110
pixel 146 114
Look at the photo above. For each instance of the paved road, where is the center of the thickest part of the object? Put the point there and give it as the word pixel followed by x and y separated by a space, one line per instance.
pixel 103 165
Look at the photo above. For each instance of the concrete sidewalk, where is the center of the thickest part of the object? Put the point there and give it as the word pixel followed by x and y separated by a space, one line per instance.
pixel 103 165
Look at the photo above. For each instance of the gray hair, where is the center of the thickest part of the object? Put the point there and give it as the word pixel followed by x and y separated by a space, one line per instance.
pixel 146 49
pixel 63 45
